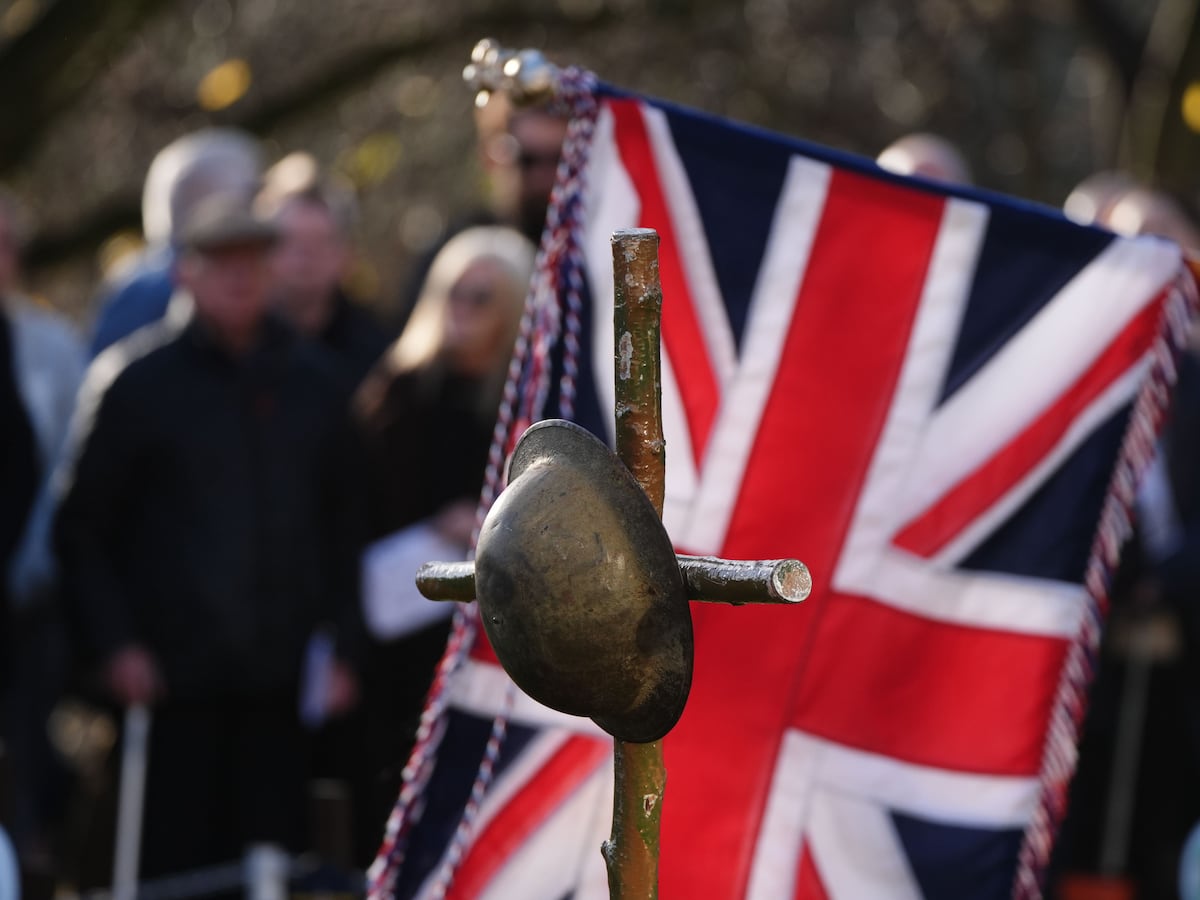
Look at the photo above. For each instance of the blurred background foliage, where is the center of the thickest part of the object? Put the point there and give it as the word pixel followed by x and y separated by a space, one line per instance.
pixel 1037 93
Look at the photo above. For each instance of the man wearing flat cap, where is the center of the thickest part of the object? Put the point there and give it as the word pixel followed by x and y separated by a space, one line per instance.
pixel 209 524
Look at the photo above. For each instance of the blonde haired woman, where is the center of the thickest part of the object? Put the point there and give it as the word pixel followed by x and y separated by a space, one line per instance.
pixel 427 412
pixel 428 408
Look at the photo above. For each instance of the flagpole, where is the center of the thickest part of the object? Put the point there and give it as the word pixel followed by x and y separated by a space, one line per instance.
pixel 640 776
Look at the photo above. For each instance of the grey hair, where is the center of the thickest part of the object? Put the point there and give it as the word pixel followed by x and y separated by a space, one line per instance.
pixel 190 168
pixel 1092 199
pixel 927 155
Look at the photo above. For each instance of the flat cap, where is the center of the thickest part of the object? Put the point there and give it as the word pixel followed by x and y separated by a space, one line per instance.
pixel 225 220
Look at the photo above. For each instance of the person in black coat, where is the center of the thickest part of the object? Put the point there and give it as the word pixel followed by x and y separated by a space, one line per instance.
pixel 19 472
pixel 19 465
pixel 211 523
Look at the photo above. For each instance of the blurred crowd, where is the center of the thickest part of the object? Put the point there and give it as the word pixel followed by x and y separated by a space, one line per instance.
pixel 206 495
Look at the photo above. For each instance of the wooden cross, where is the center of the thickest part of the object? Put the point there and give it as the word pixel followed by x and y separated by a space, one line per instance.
pixel 631 853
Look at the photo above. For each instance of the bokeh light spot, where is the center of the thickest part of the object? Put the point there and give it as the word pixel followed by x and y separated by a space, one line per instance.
pixel 371 160
pixel 1191 106
pixel 421 226
pixel 224 85
pixel 119 251
pixel 418 96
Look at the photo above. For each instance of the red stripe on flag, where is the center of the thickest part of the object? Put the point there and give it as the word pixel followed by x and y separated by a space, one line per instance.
pixel 812 450
pixel 892 695
pixel 553 784
pixel 683 334
pixel 481 650
pixel 808 879
pixel 974 495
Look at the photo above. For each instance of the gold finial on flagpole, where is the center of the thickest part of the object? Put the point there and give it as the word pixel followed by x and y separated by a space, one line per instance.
pixel 525 75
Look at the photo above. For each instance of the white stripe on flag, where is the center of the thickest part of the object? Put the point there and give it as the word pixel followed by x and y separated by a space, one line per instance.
pixel 1119 394
pixel 694 254
pixel 868 564
pixel 781 830
pixel 612 203
pixel 1016 603
pixel 562 858
pixel 681 478
pixel 480 689
pixel 533 757
pixel 925 792
pixel 944 297
pixel 809 766
pixel 797 217
pixel 857 851
pixel 1032 370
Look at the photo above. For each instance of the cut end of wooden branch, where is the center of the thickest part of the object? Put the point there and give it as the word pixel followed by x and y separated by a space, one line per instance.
pixel 791 581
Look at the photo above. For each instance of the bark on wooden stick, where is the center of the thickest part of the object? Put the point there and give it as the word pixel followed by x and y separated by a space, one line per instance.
pixel 710 580
pixel 631 853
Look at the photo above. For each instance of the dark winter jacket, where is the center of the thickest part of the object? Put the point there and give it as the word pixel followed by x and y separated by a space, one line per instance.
pixel 427 444
pixel 354 338
pixel 212 511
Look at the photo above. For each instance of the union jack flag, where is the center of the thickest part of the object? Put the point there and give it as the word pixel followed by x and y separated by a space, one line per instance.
pixel 932 396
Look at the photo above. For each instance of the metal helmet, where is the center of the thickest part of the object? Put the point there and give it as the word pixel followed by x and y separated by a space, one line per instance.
pixel 579 589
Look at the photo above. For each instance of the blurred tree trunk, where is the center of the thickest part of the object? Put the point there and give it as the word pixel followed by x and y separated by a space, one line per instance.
pixel 1173 146
pixel 1156 143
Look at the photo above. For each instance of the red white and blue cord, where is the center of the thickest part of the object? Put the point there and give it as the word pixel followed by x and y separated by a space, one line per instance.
pixel 558 273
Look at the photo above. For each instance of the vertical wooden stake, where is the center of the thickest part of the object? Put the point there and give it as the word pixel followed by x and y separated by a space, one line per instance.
pixel 631 853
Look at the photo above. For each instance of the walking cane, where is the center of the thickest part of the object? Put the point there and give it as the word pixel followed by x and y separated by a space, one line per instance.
pixel 129 802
